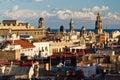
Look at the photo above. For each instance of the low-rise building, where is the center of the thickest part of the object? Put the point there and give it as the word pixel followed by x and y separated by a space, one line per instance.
pixel 26 70
pixel 89 70
pixel 26 48
pixel 58 46
pixel 42 49
pixel 115 34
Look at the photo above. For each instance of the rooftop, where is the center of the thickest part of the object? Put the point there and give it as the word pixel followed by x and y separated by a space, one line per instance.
pixel 24 44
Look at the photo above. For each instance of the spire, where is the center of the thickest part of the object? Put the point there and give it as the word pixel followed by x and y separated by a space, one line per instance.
pixel 98 24
pixel 41 23
pixel 71 21
pixel 98 13
pixel 71 25
pixel 99 16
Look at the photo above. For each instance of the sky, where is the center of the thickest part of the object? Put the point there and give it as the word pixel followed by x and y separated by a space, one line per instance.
pixel 59 12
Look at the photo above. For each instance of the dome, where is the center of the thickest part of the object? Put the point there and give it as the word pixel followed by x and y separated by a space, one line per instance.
pixel 83 28
pixel 41 19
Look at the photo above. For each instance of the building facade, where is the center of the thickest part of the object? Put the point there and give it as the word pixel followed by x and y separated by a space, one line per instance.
pixel 25 48
pixel 42 49
pixel 8 27
pixel 56 47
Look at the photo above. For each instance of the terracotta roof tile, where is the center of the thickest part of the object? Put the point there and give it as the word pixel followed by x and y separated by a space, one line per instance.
pixel 24 44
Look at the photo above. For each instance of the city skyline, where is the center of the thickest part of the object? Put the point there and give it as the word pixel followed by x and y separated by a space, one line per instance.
pixel 59 12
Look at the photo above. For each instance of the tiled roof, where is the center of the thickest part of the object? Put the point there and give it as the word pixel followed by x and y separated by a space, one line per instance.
pixel 66 55
pixel 5 62
pixel 24 44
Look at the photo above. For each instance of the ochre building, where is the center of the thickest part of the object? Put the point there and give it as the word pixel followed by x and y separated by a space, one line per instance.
pixel 8 27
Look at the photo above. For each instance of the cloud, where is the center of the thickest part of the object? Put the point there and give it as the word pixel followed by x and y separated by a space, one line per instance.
pixel 87 14
pixel 86 9
pixel 66 14
pixel 32 0
pixel 17 13
pixel 48 6
pixel 63 14
pixel 113 16
pixel 104 8
pixel 6 0
pixel 10 0
pixel 96 9
pixel 16 7
pixel 38 0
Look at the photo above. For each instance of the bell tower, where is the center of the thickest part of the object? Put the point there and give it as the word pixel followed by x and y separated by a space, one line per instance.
pixel 98 24
pixel 41 23
pixel 71 25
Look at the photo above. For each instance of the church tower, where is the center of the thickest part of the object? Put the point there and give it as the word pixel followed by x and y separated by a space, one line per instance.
pixel 71 25
pixel 62 29
pixel 41 23
pixel 83 31
pixel 98 24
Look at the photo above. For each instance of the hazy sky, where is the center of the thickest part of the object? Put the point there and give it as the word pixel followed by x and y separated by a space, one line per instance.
pixel 59 12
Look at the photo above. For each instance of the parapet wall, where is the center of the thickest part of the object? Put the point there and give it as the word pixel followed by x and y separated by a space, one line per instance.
pixel 20 26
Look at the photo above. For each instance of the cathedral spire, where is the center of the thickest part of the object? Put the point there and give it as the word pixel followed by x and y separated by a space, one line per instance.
pixel 41 23
pixel 71 25
pixel 98 24
pixel 98 13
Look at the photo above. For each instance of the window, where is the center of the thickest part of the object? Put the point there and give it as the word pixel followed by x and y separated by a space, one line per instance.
pixel 46 48
pixel 60 50
pixel 42 49
pixel 45 54
pixel 38 32
pixel 35 33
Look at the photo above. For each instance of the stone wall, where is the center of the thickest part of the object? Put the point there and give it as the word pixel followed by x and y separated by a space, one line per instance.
pixel 36 33
pixel 9 55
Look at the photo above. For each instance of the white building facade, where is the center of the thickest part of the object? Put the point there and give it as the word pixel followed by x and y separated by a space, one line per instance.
pixel 42 49
pixel 115 34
